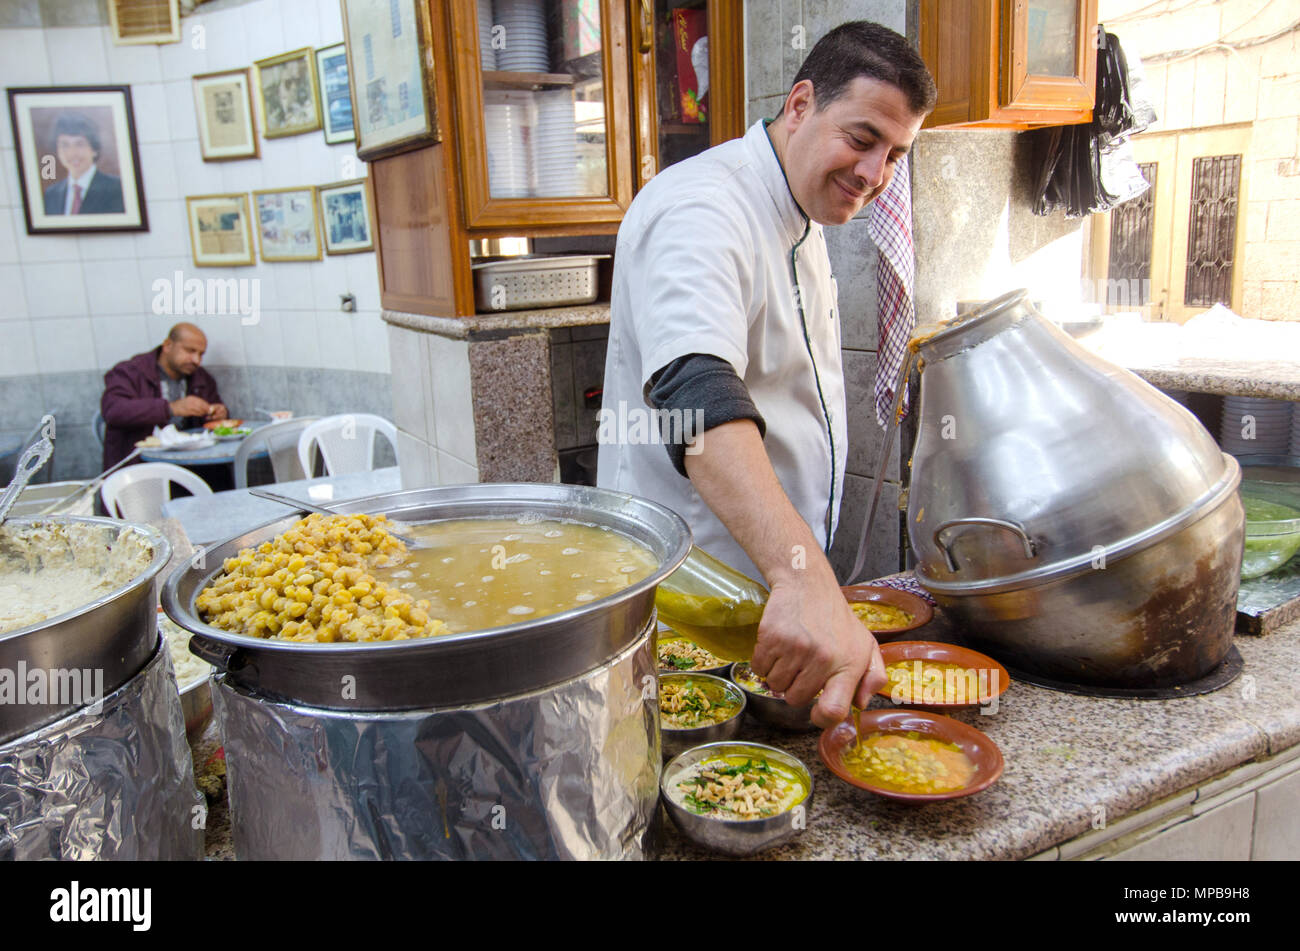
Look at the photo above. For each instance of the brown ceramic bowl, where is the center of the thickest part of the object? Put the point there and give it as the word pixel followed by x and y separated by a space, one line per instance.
pixel 992 679
pixel 982 751
pixel 919 608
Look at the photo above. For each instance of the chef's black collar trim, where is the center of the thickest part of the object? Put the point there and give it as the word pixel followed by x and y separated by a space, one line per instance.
pixel 796 236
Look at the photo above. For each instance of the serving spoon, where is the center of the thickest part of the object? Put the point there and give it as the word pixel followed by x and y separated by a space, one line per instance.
pixel 407 540
pixel 29 464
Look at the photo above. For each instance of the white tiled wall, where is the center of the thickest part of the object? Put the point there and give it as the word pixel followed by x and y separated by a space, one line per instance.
pixel 85 302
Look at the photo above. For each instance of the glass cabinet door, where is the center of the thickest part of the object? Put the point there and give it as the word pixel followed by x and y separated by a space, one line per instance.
pixel 543 90
pixel 1048 54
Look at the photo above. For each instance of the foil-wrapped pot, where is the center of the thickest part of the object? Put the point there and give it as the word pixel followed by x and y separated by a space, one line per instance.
pixel 115 782
pixel 566 772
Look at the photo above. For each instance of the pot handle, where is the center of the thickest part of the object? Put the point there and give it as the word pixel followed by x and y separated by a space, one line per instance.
pixel 222 656
pixel 995 522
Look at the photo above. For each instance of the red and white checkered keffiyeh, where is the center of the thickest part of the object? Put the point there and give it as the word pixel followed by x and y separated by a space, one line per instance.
pixel 890 227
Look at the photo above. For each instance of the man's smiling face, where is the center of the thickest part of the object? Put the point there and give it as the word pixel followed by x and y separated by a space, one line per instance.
pixel 841 157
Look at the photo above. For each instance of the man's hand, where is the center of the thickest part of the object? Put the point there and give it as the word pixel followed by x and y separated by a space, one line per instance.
pixel 217 411
pixel 809 639
pixel 190 406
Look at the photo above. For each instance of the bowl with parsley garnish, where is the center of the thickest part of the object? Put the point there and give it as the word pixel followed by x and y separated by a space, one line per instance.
pixel 697 708
pixel 737 798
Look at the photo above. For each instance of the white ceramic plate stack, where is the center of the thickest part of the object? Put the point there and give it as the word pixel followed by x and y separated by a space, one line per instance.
pixel 485 51
pixel 508 159
pixel 556 149
pixel 1272 426
pixel 527 49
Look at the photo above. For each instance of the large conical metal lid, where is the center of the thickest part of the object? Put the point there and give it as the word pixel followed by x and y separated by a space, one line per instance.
pixel 1035 457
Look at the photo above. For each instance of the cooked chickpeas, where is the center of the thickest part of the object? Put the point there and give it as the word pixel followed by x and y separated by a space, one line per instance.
pixel 312 584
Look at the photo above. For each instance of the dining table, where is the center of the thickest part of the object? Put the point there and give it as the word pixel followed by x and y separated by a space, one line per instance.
pixel 221 515
pixel 221 452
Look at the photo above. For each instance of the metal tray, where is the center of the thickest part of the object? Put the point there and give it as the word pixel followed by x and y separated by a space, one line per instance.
pixel 523 282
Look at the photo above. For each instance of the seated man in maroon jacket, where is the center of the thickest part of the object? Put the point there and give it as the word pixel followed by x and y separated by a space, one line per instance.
pixel 164 385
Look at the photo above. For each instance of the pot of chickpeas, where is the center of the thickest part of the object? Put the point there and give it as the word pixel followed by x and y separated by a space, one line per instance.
pixel 488 692
pixel 515 586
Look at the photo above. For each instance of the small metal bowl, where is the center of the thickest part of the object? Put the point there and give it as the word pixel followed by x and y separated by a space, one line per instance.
pixel 676 741
pixel 736 837
pixel 669 635
pixel 771 708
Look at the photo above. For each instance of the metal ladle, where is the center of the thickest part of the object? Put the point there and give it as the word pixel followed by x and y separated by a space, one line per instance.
pixel 36 455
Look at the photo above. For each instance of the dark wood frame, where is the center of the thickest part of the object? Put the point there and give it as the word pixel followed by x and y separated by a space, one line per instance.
pixel 424 42
pixel 134 146
pixel 252 113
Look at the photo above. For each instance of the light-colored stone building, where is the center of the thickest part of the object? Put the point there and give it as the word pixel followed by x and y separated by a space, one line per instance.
pixel 1225 76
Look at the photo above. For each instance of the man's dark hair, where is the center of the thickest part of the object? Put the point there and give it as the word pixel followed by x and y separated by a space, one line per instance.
pixel 74 123
pixel 861 48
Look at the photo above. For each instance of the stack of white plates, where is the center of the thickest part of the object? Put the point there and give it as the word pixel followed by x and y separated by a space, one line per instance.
pixel 555 144
pixel 485 51
pixel 527 47
pixel 509 168
pixel 1255 426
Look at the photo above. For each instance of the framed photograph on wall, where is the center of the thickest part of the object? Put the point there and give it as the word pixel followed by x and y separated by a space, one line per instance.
pixel 390 67
pixel 287 225
pixel 345 217
pixel 223 105
pixel 288 95
pixel 221 231
pixel 336 95
pixel 78 162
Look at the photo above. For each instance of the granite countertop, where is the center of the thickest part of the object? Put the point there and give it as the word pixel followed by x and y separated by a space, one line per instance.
pixel 1066 757
pixel 504 323
pixel 1244 362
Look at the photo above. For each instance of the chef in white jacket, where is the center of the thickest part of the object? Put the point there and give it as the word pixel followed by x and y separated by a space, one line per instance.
pixel 724 327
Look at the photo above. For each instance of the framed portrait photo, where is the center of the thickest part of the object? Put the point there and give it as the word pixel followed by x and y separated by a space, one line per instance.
pixel 288 229
pixel 336 94
pixel 345 217
pixel 221 231
pixel 223 104
pixel 78 162
pixel 390 67
pixel 288 95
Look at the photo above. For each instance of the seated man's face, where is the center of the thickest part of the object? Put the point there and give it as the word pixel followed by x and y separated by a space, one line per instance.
pixel 184 355
pixel 75 154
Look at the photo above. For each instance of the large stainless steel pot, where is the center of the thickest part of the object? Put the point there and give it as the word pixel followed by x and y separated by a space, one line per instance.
pixel 456 669
pixel 1079 524
pixel 534 740
pixel 114 634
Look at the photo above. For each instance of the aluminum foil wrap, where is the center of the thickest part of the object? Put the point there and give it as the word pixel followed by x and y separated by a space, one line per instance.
pixel 568 772
pixel 113 784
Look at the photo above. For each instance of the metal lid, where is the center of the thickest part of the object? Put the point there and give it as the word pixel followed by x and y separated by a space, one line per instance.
pixel 1034 455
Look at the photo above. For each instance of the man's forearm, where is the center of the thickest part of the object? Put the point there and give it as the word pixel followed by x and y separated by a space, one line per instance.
pixel 735 478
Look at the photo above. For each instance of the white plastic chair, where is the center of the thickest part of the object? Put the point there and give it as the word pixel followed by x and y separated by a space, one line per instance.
pixel 280 440
pixel 346 442
pixel 137 493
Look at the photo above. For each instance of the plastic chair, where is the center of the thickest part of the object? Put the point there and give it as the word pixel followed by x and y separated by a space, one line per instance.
pixel 137 493
pixel 98 427
pixel 346 442
pixel 280 440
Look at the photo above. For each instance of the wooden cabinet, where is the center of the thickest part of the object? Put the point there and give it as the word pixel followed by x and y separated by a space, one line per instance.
pixel 554 113
pixel 1014 64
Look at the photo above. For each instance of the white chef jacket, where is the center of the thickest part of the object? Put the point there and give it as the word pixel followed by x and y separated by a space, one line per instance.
pixel 704 265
